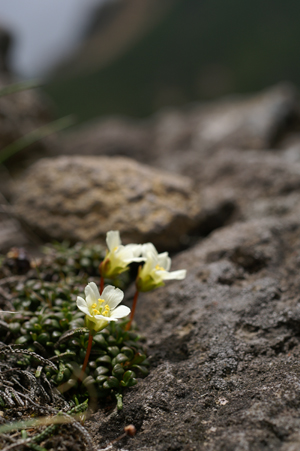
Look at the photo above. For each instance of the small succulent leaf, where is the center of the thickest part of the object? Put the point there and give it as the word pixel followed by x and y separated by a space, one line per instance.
pixel 142 369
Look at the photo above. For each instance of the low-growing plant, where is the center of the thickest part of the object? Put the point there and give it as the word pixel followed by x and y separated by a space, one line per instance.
pixel 82 346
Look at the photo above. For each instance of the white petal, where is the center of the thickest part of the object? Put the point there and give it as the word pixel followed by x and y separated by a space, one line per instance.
pixel 81 304
pixel 113 239
pixel 135 249
pixel 130 253
pixel 168 264
pixel 98 317
pixel 149 265
pixel 95 290
pixel 110 318
pixel 90 296
pixel 178 275
pixel 113 296
pixel 164 261
pixel 122 252
pixel 134 259
pixel 120 312
pixel 148 247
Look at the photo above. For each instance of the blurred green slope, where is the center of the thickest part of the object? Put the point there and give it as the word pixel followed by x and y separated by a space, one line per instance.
pixel 199 50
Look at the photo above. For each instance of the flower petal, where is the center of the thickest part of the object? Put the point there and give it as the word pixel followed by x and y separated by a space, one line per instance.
pixel 164 261
pixel 129 253
pixel 113 296
pixel 150 263
pixel 106 318
pixel 95 290
pixel 135 249
pixel 90 295
pixel 178 275
pixel 120 312
pixel 148 247
pixel 82 305
pixel 113 239
pixel 98 317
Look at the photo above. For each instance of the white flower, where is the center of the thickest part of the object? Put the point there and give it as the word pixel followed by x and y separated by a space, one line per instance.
pixel 101 309
pixel 156 269
pixel 118 257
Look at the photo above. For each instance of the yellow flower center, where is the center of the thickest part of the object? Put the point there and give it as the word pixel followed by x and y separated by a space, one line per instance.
pixel 159 268
pixel 97 309
pixel 106 310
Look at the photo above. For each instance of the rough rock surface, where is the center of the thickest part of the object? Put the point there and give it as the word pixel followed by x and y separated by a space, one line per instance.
pixel 21 113
pixel 169 137
pixel 223 344
pixel 109 136
pixel 92 195
pixel 259 183
pixel 224 347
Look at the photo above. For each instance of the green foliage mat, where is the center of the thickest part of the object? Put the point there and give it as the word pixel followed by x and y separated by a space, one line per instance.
pixel 43 344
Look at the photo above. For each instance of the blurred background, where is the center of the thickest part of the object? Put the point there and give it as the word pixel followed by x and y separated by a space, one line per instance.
pixel 133 57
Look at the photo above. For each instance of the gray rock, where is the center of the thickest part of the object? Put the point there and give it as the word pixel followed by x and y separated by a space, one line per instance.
pixel 190 139
pixel 21 113
pixel 110 136
pixel 81 198
pixel 259 183
pixel 256 122
pixel 224 348
pixel 11 234
pixel 173 139
pixel 186 138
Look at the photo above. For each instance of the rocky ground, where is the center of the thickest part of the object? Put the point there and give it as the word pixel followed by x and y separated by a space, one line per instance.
pixel 219 185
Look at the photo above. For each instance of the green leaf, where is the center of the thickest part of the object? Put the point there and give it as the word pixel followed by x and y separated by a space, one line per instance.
pixel 100 340
pixel 127 351
pixel 143 370
pixel 138 358
pixel 100 379
pixel 118 371
pixel 104 359
pixel 111 382
pixel 128 375
pixel 120 358
pixel 101 370
pixel 132 382
pixel 113 350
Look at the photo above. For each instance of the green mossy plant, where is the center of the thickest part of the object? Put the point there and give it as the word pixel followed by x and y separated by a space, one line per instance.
pixel 48 323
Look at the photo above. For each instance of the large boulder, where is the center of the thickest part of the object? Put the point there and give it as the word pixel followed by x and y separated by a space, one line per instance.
pixel 81 198
pixel 224 348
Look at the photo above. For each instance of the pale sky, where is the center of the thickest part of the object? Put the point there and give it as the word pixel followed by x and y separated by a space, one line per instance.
pixel 45 31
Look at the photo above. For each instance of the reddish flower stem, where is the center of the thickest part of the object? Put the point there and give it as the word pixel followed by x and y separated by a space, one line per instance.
pixel 128 325
pixel 87 355
pixel 101 284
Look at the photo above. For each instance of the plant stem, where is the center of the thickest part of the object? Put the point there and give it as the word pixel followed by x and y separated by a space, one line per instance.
pixel 87 355
pixel 119 398
pixel 128 325
pixel 101 284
